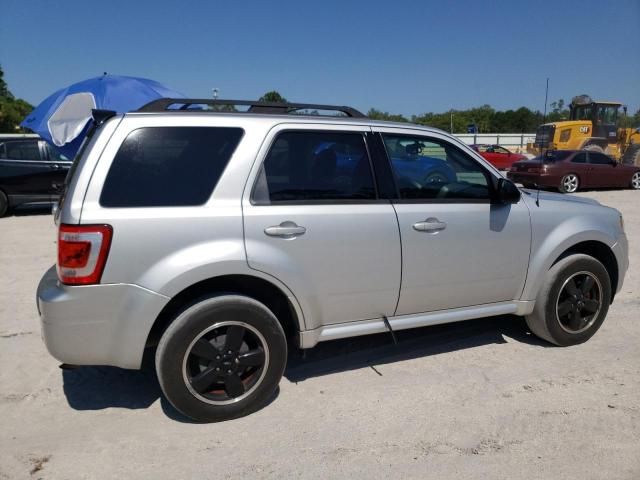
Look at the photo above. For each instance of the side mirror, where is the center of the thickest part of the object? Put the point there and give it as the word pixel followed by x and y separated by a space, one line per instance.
pixel 507 192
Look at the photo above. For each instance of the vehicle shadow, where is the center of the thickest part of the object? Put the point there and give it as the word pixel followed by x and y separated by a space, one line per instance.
pixel 28 210
pixel 97 388
pixel 372 350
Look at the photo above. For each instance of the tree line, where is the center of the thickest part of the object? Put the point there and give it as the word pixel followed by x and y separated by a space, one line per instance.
pixel 12 110
pixel 485 118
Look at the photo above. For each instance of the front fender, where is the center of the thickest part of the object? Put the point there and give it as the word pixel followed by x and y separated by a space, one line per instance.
pixel 561 238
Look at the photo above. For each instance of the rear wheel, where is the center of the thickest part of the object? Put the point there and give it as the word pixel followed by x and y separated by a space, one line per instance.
pixel 4 204
pixel 573 302
pixel 632 155
pixel 635 181
pixel 569 183
pixel 221 358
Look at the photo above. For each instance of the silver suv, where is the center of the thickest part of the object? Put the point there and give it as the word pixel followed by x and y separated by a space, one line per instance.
pixel 223 237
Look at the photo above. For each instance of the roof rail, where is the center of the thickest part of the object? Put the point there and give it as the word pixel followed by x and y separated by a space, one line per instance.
pixel 182 104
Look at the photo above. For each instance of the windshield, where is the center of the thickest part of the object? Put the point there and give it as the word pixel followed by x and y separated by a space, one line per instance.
pixel 607 114
pixel 552 156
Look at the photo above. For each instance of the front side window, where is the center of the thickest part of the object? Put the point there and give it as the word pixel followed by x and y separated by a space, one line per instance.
pixel 168 166
pixel 55 155
pixel 315 166
pixel 433 169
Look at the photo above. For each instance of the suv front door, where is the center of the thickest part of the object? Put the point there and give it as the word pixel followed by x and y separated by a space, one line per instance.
pixel 313 220
pixel 458 248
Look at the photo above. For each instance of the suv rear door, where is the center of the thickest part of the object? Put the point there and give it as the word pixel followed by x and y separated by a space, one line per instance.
pixel 459 249
pixel 312 219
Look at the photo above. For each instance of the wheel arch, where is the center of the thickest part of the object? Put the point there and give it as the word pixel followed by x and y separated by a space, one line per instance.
pixel 601 252
pixel 579 233
pixel 269 294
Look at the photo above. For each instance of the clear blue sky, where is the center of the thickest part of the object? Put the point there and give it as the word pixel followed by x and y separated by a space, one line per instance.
pixel 400 56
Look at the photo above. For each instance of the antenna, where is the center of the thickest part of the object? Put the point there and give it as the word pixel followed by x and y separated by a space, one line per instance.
pixel 544 120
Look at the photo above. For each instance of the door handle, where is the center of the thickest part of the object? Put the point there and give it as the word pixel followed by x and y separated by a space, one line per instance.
pixel 430 225
pixel 285 230
pixel 54 166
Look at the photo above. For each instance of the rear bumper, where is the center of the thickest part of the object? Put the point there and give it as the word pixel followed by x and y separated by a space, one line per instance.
pixel 96 324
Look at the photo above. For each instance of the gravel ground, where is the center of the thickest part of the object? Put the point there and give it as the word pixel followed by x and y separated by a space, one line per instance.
pixel 478 399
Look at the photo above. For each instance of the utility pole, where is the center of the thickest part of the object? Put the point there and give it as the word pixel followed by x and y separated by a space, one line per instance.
pixel 451 125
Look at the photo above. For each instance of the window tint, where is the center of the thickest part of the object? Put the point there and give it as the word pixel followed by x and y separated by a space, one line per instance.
pixel 25 150
pixel 428 168
pixel 315 166
pixel 168 166
pixel 579 158
pixel 600 159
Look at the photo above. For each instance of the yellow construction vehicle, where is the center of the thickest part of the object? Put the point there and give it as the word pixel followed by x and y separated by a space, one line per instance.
pixel 592 126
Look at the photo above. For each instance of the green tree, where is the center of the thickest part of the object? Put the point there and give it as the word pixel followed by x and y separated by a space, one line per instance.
pixel 380 115
pixel 12 110
pixel 272 96
pixel 4 89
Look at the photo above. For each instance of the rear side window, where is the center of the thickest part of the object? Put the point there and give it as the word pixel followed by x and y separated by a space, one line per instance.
pixel 169 166
pixel 579 158
pixel 21 150
pixel 315 166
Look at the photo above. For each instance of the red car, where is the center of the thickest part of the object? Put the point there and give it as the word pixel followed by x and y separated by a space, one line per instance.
pixel 498 156
pixel 569 170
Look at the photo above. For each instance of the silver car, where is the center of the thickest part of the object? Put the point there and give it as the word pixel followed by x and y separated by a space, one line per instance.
pixel 225 238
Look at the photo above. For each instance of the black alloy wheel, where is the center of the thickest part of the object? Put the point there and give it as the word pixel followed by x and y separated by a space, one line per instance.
pixel 579 302
pixel 226 362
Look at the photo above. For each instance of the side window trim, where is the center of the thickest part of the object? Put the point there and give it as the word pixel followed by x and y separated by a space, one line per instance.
pixel 491 179
pixel 260 176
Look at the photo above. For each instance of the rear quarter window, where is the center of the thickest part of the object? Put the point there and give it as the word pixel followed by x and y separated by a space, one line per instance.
pixel 169 166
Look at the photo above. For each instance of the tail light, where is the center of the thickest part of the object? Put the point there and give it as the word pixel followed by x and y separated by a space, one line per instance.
pixel 82 253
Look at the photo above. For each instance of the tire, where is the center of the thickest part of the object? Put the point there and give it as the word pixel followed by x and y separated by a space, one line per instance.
pixel 593 148
pixel 554 316
pixel 4 204
pixel 221 358
pixel 569 183
pixel 632 155
pixel 635 181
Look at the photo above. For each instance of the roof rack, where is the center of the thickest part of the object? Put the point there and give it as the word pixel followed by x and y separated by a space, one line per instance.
pixel 188 104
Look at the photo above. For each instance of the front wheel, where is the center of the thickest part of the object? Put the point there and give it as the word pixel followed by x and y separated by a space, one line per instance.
pixel 221 358
pixel 569 183
pixel 573 301
pixel 635 181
